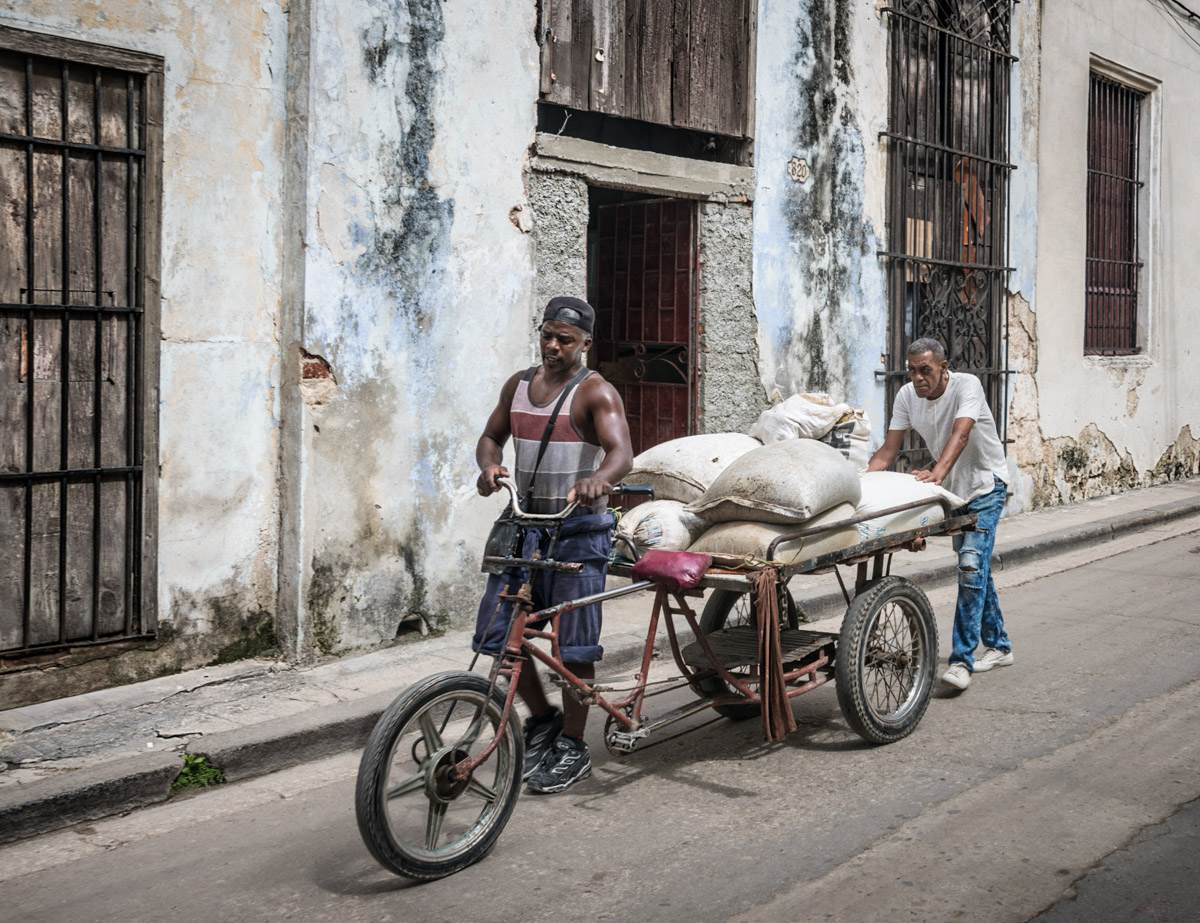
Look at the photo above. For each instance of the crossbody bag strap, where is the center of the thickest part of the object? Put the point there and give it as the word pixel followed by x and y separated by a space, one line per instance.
pixel 579 376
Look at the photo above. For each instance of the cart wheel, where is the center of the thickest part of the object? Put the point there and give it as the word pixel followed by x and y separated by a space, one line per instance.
pixel 886 659
pixel 733 609
pixel 416 819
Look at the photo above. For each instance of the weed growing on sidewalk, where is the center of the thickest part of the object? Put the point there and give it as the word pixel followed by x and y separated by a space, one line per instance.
pixel 196 773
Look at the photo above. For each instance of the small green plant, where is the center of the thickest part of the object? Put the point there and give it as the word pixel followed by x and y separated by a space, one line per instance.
pixel 197 773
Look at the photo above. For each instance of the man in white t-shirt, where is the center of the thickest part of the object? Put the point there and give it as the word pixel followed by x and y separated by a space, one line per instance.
pixel 949 411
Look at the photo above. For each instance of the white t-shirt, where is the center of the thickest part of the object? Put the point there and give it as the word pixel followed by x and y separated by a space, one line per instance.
pixel 982 459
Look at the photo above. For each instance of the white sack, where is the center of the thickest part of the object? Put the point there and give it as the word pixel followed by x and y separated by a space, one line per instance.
pixel 732 542
pixel 662 524
pixel 852 437
pixel 683 468
pixel 884 489
pixel 783 482
pixel 801 416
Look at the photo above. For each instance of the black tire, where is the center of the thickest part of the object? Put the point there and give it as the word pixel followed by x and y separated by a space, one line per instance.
pixel 414 818
pixel 733 609
pixel 886 659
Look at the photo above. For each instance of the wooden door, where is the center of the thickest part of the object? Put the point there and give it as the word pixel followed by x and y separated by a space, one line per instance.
pixel 76 140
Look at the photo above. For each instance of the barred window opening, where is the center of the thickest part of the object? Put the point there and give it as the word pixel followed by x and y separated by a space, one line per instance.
pixel 1113 184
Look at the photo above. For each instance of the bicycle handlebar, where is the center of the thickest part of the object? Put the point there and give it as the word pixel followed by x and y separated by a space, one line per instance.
pixel 629 490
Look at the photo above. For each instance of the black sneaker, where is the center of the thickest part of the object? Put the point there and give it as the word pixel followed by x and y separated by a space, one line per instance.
pixel 539 738
pixel 564 765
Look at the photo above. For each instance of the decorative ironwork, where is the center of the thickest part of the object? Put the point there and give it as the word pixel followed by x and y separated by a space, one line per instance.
pixel 948 170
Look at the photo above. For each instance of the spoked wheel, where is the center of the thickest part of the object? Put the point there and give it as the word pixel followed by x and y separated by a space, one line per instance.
pixel 415 816
pixel 886 659
pixel 734 609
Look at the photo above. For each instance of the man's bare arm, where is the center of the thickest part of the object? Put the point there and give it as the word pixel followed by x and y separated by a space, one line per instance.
pixel 606 413
pixel 489 451
pixel 953 448
pixel 887 452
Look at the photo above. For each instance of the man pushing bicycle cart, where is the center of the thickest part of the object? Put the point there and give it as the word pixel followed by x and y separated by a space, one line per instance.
pixel 572 443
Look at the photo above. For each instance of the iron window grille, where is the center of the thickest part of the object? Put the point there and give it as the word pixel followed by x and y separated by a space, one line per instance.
pixel 1113 189
pixel 947 191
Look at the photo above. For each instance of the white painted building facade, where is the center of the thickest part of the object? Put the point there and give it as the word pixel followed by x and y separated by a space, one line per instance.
pixel 360 222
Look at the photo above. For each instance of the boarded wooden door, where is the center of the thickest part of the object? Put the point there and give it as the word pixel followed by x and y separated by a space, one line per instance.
pixel 645 278
pixel 78 144
pixel 684 63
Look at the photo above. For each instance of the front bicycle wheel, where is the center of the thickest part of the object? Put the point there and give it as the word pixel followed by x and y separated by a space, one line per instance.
pixel 415 817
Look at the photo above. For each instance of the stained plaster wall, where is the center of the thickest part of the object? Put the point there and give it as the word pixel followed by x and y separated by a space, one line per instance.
pixel 819 287
pixel 223 106
pixel 1108 424
pixel 731 391
pixel 418 290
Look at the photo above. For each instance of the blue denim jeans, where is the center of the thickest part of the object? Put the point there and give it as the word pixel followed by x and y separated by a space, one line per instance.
pixel 977 616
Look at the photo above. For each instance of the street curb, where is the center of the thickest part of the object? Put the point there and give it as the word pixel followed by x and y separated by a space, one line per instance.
pixel 124 784
pixel 86 794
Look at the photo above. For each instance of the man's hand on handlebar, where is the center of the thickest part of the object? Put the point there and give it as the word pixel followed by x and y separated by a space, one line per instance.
pixel 486 485
pixel 589 490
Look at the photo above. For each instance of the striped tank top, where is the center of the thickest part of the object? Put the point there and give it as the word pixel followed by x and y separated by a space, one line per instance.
pixel 569 457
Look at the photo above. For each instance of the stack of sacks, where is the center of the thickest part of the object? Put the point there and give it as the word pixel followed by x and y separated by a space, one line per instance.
pixel 682 469
pixel 679 471
pixel 775 489
pixel 884 489
pixel 815 416
pixel 662 524
pixel 736 541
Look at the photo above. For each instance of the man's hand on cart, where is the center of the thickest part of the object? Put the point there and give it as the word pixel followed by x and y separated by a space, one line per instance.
pixel 487 484
pixel 929 477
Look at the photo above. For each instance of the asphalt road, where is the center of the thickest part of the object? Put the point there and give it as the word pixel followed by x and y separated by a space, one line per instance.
pixel 1056 786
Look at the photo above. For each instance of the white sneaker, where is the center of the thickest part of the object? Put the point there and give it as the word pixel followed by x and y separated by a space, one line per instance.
pixel 957 676
pixel 993 658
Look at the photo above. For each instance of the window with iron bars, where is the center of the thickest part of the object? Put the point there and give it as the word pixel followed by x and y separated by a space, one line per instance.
pixel 1113 189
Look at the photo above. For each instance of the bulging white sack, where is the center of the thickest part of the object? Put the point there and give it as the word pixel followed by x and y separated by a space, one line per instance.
pixel 851 436
pixel 884 489
pixel 801 416
pixel 784 482
pixel 662 524
pixel 738 542
pixel 682 469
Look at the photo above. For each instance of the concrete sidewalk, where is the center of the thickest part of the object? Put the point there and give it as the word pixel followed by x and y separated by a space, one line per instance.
pixel 90 756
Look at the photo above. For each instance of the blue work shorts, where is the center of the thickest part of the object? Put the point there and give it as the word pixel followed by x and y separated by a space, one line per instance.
pixel 585 540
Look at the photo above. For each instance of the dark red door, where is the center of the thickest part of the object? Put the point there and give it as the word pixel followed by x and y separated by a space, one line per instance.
pixel 644 281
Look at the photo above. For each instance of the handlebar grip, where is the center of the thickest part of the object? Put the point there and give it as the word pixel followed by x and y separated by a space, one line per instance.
pixel 634 490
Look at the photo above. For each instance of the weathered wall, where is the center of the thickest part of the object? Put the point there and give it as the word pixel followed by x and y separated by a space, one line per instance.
pixel 417 293
pixel 818 284
pixel 1105 424
pixel 731 391
pixel 223 106
pixel 559 212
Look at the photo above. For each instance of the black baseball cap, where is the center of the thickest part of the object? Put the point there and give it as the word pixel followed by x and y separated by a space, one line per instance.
pixel 570 310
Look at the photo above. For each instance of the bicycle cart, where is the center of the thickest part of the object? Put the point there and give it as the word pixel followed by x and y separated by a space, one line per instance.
pixel 442 768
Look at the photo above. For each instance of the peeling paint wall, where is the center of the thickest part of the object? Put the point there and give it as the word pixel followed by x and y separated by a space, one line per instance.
pixel 818 284
pixel 223 106
pixel 428 237
pixel 417 291
pixel 1087 426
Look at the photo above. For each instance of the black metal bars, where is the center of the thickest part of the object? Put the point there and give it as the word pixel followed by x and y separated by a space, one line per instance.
pixel 70 498
pixel 1113 184
pixel 948 176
